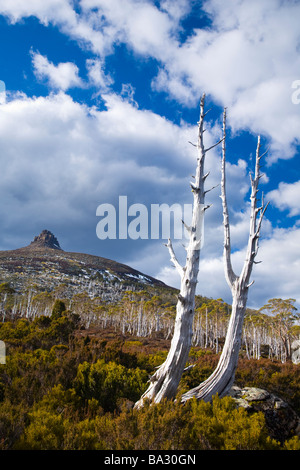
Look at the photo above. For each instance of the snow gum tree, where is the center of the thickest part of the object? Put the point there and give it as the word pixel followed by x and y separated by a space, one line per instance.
pixel 222 378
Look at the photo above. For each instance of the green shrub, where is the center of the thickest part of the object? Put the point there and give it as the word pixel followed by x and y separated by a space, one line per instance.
pixel 45 432
pixel 292 444
pixel 172 426
pixel 12 423
pixel 14 332
pixel 28 376
pixel 198 426
pixel 58 309
pixel 109 382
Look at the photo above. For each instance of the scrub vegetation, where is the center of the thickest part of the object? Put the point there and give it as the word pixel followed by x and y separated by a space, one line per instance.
pixel 66 387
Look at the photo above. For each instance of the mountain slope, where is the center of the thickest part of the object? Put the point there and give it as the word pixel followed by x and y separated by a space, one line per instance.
pixel 44 264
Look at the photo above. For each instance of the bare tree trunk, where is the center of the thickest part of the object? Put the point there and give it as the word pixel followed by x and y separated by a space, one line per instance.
pixel 206 329
pixel 222 378
pixel 164 382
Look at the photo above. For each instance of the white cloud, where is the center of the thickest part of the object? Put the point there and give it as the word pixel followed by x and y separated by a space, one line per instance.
pixel 277 276
pixel 84 28
pixel 286 197
pixel 247 59
pixel 138 23
pixel 174 85
pixel 57 11
pixel 100 25
pixel 68 158
pixel 176 10
pixel 97 76
pixel 63 76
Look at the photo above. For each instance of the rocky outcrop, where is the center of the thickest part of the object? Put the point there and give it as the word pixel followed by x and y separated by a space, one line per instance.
pixel 281 420
pixel 296 351
pixel 45 239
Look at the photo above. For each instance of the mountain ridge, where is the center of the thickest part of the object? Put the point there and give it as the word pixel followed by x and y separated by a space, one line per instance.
pixel 44 263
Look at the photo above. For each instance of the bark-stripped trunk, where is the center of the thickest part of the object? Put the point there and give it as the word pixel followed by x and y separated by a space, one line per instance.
pixel 164 382
pixel 222 378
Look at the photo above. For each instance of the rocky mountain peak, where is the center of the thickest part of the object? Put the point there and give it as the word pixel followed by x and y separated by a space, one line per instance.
pixel 45 239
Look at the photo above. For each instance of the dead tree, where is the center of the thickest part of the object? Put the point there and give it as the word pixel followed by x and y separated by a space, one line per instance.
pixel 164 382
pixel 222 378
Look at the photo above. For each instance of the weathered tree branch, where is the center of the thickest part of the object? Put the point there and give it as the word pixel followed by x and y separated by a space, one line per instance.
pixel 174 260
pixel 255 225
pixel 213 146
pixel 229 273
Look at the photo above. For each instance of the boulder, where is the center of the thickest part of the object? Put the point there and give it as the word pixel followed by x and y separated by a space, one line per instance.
pixel 281 420
pixel 296 351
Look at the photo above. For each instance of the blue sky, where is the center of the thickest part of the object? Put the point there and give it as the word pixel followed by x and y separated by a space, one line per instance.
pixel 102 97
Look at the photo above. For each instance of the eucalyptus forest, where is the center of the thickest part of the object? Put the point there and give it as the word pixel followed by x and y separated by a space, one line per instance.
pixel 267 332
